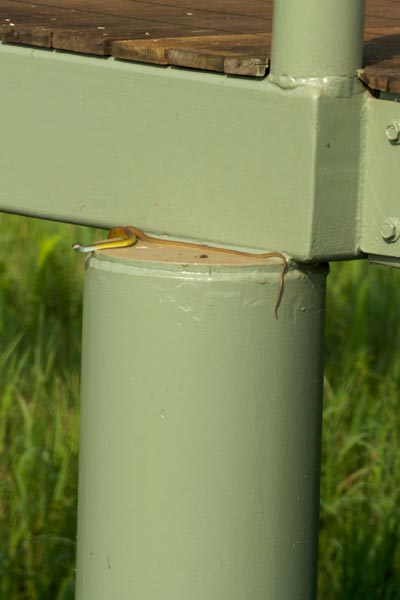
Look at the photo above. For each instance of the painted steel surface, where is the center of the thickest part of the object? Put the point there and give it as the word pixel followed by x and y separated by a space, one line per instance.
pixel 200 435
pixel 380 190
pixel 316 39
pixel 195 155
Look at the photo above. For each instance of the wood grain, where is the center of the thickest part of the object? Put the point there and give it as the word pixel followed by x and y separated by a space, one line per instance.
pixel 235 54
pixel 229 36
pixel 91 25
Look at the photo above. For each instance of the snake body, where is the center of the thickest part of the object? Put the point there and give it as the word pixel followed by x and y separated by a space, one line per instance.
pixel 122 237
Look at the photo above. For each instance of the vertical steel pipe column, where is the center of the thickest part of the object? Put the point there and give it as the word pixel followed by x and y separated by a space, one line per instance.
pixel 317 38
pixel 200 431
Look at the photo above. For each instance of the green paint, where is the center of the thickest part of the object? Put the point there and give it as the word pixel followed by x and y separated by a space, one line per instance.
pixel 104 142
pixel 316 38
pixel 336 212
pixel 380 190
pixel 201 413
pixel 113 143
pixel 200 435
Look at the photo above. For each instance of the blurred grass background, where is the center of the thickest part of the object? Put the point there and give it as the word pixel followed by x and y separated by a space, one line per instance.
pixel 40 333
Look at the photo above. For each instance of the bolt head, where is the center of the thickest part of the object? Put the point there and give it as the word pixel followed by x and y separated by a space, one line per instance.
pixel 393 131
pixel 390 230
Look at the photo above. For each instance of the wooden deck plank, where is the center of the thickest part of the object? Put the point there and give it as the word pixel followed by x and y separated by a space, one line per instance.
pixel 165 10
pixel 231 36
pixel 91 26
pixel 232 54
pixel 128 15
pixel 382 59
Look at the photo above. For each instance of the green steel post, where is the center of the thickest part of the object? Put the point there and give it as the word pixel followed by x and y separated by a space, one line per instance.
pixel 200 431
pixel 316 38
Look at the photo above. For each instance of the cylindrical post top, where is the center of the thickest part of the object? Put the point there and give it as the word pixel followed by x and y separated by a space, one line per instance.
pixel 200 427
pixel 317 38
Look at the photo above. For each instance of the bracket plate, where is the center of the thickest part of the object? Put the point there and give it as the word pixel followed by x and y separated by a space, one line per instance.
pixel 381 185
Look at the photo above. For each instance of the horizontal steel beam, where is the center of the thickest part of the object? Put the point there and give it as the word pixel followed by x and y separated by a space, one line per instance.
pixel 189 154
pixel 311 170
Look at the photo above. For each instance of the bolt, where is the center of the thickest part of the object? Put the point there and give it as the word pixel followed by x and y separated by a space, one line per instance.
pixel 393 131
pixel 390 230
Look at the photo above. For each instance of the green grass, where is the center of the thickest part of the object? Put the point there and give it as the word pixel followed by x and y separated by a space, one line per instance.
pixel 360 488
pixel 40 324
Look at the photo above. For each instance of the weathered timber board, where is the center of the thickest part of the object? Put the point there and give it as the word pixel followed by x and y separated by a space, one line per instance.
pixel 238 53
pixel 230 36
pixel 382 59
pixel 91 25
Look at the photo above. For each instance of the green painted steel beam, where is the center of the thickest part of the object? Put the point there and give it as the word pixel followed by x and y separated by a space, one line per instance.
pixel 337 202
pixel 200 428
pixel 193 155
pixel 316 38
pixel 105 142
